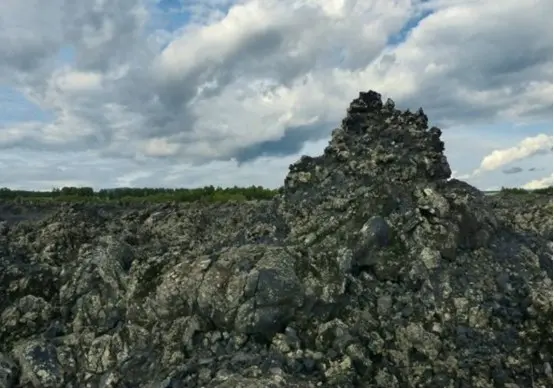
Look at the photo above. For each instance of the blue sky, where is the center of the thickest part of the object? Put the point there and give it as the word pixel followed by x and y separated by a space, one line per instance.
pixel 15 107
pixel 66 55
pixel 178 93
pixel 399 37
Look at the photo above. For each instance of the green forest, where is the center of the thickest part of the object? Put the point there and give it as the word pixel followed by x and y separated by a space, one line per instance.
pixel 544 191
pixel 129 195
pixel 126 195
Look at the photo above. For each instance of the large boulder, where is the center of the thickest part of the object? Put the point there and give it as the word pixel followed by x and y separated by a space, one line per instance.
pixel 370 268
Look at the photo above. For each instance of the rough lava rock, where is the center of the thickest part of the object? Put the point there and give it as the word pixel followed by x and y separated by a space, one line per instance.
pixel 370 268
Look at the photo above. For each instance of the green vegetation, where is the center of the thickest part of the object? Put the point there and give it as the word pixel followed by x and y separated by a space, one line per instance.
pixel 162 195
pixel 520 191
pixel 131 195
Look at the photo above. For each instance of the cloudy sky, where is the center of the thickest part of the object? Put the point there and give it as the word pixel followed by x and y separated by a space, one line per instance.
pixel 186 93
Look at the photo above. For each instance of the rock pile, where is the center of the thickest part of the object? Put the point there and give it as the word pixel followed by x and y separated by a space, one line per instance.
pixel 370 268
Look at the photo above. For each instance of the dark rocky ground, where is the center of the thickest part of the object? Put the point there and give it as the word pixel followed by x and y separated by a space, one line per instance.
pixel 369 269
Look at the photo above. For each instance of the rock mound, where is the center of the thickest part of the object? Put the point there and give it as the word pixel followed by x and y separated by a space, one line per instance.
pixel 370 268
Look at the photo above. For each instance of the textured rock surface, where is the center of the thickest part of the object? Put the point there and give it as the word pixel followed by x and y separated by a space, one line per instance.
pixel 370 268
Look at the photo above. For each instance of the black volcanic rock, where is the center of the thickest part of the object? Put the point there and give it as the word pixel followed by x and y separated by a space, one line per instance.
pixel 370 268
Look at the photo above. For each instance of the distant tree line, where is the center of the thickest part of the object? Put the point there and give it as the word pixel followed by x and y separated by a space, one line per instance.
pixel 206 194
pixel 545 191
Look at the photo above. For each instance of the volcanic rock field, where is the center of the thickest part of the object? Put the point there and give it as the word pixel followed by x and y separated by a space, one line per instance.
pixel 370 268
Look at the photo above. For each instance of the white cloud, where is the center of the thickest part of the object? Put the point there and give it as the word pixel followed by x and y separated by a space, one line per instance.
pixel 259 79
pixel 159 147
pixel 76 81
pixel 15 133
pixel 528 147
pixel 540 183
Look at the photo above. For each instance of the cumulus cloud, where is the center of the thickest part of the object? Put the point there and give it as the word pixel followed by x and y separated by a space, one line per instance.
pixel 540 183
pixel 234 82
pixel 527 148
pixel 80 168
pixel 74 81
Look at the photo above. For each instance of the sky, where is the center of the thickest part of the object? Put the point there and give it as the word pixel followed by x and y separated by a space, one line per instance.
pixel 188 93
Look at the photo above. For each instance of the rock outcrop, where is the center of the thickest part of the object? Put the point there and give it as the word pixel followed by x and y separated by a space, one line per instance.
pixel 370 268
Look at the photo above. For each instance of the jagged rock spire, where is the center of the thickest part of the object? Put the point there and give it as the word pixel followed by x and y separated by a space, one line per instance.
pixel 376 139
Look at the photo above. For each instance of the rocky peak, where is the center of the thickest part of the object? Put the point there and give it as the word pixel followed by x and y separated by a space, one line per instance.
pixel 376 212
pixel 375 140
